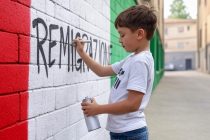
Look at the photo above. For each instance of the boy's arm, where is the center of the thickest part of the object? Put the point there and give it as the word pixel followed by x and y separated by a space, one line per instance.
pixel 93 65
pixel 131 104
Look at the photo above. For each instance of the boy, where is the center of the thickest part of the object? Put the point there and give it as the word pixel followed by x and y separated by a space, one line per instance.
pixel 133 86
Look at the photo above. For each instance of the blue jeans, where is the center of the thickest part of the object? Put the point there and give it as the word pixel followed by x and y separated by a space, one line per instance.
pixel 138 134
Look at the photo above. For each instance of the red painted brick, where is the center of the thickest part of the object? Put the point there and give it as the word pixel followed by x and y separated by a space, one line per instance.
pixel 13 78
pixel 24 49
pixel 24 106
pixel 26 2
pixel 16 132
pixel 9 110
pixel 14 17
pixel 8 47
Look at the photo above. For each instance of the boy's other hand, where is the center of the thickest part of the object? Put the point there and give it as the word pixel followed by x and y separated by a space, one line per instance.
pixel 90 109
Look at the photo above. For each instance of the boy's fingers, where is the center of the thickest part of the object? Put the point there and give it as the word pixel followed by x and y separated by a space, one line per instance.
pixel 86 112
pixel 84 104
pixel 84 107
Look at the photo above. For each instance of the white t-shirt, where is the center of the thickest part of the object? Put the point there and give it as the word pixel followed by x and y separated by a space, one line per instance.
pixel 136 72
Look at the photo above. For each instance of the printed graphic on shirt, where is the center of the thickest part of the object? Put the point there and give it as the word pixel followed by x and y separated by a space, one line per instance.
pixel 117 81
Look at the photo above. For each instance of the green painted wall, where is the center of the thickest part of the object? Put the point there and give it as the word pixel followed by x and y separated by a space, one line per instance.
pixel 118 53
pixel 157 51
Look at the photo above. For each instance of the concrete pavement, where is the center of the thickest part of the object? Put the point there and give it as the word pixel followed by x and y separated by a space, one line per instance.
pixel 179 108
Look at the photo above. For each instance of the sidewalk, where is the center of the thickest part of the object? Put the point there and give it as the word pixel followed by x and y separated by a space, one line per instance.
pixel 179 108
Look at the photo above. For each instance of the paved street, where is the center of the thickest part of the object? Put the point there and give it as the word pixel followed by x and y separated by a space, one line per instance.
pixel 179 108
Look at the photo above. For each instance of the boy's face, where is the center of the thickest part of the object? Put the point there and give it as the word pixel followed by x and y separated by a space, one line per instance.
pixel 130 40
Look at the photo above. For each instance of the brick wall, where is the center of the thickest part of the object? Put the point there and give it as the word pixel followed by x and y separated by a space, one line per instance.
pixel 58 79
pixel 14 70
pixel 43 80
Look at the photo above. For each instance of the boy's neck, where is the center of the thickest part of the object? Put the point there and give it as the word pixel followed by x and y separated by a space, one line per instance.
pixel 143 47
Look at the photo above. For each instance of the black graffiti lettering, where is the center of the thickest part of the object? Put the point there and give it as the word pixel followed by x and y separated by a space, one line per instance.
pixel 36 23
pixel 79 60
pixel 101 53
pixel 85 37
pixel 51 43
pixel 64 44
pixel 72 49
pixel 96 42
pixel 104 53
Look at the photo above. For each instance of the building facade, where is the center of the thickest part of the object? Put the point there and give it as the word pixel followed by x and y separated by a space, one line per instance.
pixel 204 35
pixel 180 44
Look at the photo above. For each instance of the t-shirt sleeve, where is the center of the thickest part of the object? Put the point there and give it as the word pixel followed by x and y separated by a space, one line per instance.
pixel 138 77
pixel 117 66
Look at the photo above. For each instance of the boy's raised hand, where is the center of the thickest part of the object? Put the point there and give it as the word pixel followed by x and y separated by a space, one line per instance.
pixel 79 44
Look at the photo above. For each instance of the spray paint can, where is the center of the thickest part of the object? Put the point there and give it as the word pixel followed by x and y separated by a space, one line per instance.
pixel 92 122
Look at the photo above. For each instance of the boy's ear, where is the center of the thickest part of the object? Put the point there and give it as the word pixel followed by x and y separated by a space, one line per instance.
pixel 140 33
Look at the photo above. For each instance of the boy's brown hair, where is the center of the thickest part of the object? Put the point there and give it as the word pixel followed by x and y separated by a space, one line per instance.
pixel 139 16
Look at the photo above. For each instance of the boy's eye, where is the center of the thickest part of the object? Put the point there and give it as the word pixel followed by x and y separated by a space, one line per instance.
pixel 122 35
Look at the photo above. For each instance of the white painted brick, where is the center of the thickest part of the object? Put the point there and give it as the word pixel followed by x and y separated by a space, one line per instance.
pixel 61 122
pixel 81 129
pixel 44 126
pixel 99 134
pixel 31 129
pixel 105 9
pixel 92 76
pixel 94 89
pixel 50 7
pixel 99 20
pixel 38 80
pixel 91 135
pixel 64 3
pixel 35 79
pixel 59 73
pixel 50 138
pixel 84 25
pixel 39 5
pixel 63 89
pixel 102 98
pixel 50 124
pixel 83 6
pixel 65 96
pixel 108 3
pixel 75 6
pixel 67 134
pixel 33 50
pixel 71 77
pixel 66 16
pixel 41 101
pixel 47 81
pixel 74 114
pixel 102 87
pixel 91 17
pixel 83 90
